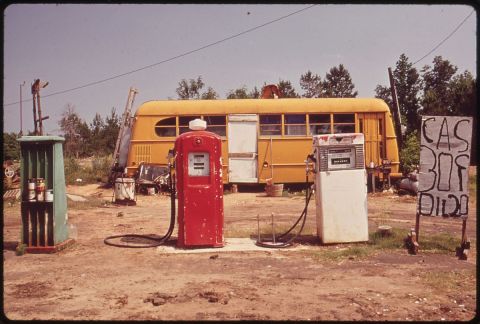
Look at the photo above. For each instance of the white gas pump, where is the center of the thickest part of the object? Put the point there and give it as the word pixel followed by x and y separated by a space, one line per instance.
pixel 341 188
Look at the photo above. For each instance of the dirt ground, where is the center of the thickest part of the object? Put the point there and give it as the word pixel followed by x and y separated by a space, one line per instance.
pixel 93 281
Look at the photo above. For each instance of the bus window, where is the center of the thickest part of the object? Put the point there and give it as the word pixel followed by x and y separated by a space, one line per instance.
pixel 270 125
pixel 216 124
pixel 165 127
pixel 183 123
pixel 295 125
pixel 319 124
pixel 343 123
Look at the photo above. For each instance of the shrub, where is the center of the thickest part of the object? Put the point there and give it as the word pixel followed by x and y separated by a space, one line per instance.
pixel 410 153
pixel 101 168
pixel 98 171
pixel 72 170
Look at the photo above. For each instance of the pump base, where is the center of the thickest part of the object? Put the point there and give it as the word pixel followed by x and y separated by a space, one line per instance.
pixel 50 249
pixel 125 202
pixel 204 246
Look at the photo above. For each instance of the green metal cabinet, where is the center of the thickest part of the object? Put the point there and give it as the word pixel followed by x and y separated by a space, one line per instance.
pixel 44 223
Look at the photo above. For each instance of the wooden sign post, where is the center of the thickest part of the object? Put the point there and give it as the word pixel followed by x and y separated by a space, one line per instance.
pixel 445 147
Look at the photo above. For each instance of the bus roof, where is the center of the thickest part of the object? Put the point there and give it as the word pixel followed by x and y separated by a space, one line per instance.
pixel 260 106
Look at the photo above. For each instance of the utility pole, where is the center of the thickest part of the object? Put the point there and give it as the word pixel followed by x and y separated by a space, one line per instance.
pixel 396 110
pixel 38 123
pixel 21 109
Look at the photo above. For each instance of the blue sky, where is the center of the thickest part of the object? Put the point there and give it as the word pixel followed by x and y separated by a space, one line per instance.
pixel 73 45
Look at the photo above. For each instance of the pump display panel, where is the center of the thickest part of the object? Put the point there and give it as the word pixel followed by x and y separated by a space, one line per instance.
pixel 198 164
pixel 341 158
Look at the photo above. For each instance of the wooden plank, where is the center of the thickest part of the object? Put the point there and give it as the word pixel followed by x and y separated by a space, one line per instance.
pixel 33 221
pixel 25 224
pixel 41 224
pixel 49 216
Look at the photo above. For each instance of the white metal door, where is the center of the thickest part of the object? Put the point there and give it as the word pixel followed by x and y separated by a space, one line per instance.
pixel 242 148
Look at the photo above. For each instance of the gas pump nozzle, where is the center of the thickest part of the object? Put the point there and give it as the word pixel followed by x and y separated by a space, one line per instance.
pixel 310 158
pixel 171 158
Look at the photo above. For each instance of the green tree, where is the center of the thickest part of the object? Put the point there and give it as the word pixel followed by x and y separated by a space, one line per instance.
pixel 96 127
pixel 408 84
pixel 254 93
pixel 464 103
pixel 70 124
pixel 11 147
pixel 243 93
pixel 311 85
pixel 338 84
pixel 210 94
pixel 87 145
pixel 110 132
pixel 239 93
pixel 190 89
pixel 462 90
pixel 410 153
pixel 286 89
pixel 437 99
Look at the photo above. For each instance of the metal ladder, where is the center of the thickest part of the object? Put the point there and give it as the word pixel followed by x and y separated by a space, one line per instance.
pixel 125 124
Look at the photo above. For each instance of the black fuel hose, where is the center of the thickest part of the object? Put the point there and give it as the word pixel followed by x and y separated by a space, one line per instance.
pixel 278 243
pixel 155 241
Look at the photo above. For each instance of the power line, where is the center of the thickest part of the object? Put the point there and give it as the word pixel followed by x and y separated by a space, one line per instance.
pixel 172 58
pixel 445 39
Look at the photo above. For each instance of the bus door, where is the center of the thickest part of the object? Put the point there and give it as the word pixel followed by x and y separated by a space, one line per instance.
pixel 242 148
pixel 372 126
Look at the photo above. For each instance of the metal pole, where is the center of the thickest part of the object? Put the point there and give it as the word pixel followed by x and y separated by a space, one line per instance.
pixel 273 229
pixel 40 123
pixel 464 231
pixel 34 92
pixel 396 109
pixel 258 227
pixel 271 159
pixel 417 225
pixel 21 109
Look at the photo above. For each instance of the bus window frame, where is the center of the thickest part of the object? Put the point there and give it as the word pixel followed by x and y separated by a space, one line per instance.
pixel 354 123
pixel 181 127
pixel 285 124
pixel 174 126
pixel 217 125
pixel 320 124
pixel 270 135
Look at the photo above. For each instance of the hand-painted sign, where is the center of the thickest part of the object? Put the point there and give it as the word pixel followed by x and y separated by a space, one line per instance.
pixel 444 159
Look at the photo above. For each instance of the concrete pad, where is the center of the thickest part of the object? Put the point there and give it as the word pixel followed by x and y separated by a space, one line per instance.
pixel 76 197
pixel 231 245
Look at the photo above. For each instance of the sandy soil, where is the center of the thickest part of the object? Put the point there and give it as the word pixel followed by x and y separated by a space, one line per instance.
pixel 91 280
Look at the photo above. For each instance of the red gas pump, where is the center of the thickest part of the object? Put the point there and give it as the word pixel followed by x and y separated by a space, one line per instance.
pixel 199 188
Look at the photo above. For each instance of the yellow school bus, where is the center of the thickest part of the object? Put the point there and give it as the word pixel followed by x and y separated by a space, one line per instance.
pixel 263 138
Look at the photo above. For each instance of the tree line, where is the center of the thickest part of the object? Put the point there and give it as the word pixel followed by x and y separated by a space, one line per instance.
pixel 433 90
pixel 336 84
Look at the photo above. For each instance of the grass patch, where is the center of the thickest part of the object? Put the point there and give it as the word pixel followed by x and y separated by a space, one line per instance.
pixel 88 204
pixel 437 243
pixel 393 241
pixel 350 252
pixel 442 242
pixel 97 171
pixel 449 280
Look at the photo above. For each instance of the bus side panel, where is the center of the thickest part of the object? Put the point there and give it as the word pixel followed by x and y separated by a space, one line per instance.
pixel 288 156
pixel 391 146
pixel 225 161
pixel 373 138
